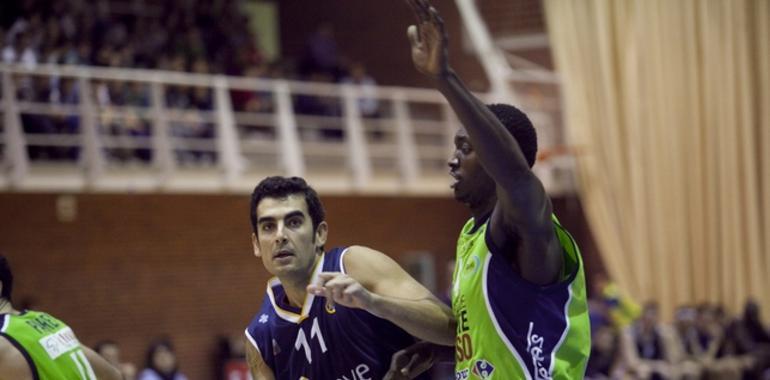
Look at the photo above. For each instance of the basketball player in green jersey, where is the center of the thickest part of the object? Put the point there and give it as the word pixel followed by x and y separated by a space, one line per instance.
pixel 518 286
pixel 37 346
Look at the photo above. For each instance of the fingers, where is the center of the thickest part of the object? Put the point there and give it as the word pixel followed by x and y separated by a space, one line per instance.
pixel 336 288
pixel 320 288
pixel 397 366
pixel 408 367
pixel 423 8
pixel 439 22
pixel 414 36
pixel 420 10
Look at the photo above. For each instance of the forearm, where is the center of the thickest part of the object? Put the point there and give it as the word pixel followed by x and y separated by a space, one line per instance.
pixel 426 319
pixel 444 354
pixel 496 147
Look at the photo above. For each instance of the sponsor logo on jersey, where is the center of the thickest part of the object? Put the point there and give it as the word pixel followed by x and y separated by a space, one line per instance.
pixel 263 318
pixel 360 372
pixel 59 342
pixel 483 369
pixel 472 266
pixel 330 308
pixel 462 374
pixel 535 349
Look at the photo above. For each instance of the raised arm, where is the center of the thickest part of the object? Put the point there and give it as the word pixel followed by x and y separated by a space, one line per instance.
pixel 377 284
pixel 523 207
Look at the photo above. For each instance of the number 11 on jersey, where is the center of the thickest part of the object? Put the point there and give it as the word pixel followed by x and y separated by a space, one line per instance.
pixel 302 342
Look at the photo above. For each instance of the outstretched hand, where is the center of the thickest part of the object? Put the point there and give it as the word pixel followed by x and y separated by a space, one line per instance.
pixel 342 289
pixel 411 361
pixel 429 39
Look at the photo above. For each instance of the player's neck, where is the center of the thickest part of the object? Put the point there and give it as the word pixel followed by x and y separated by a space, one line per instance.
pixel 481 211
pixel 295 294
pixel 296 286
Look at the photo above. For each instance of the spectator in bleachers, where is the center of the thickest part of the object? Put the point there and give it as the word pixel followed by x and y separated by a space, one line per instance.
pixel 321 55
pixel 231 358
pixel 621 309
pixel 648 346
pixel 11 49
pixel 368 104
pixel 606 361
pixel 161 363
pixel 110 351
pixel 316 105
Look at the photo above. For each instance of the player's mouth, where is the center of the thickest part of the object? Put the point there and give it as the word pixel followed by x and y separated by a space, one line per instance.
pixel 284 253
pixel 456 176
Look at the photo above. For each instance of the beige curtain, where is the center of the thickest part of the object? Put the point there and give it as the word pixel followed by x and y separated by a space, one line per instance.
pixel 668 102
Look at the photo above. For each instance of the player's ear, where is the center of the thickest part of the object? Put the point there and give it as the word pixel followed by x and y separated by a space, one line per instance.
pixel 255 245
pixel 320 234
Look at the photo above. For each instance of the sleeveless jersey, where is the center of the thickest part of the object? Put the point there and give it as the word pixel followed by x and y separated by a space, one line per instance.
pixel 317 343
pixel 508 328
pixel 50 347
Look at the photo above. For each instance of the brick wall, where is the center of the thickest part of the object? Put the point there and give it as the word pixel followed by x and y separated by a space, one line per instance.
pixel 133 267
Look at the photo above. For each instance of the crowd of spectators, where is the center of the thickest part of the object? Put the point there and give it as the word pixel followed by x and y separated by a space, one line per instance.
pixel 703 342
pixel 162 363
pixel 196 36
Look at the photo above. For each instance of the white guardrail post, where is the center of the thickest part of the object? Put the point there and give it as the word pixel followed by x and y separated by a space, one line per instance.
pixel 228 150
pixel 358 157
pixel 162 152
pixel 290 150
pixel 15 144
pixel 92 156
pixel 408 161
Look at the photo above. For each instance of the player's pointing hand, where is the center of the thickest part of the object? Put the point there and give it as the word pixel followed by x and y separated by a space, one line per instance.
pixel 342 289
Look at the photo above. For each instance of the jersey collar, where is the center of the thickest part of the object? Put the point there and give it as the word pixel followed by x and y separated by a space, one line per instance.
pixel 289 315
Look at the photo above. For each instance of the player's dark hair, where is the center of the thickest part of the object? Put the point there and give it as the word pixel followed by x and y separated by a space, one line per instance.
pixel 518 124
pixel 6 277
pixel 281 187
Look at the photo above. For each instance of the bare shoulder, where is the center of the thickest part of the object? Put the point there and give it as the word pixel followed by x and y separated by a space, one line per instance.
pixel 13 365
pixel 365 261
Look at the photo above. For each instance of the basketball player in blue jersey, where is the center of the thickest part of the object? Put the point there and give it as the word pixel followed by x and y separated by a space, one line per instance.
pixel 329 315
pixel 518 289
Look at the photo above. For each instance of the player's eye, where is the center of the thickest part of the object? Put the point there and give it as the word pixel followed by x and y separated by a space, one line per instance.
pixel 267 227
pixel 295 222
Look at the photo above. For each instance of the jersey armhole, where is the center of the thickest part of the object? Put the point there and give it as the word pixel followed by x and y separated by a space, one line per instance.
pixel 24 353
pixel 569 270
pixel 253 342
pixel 342 261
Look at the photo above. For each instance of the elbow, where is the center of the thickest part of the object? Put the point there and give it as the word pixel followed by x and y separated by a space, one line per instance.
pixel 114 373
pixel 448 337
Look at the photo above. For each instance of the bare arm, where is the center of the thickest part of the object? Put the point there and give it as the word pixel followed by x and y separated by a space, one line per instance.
pixel 13 366
pixel 523 207
pixel 102 369
pixel 258 368
pixel 379 285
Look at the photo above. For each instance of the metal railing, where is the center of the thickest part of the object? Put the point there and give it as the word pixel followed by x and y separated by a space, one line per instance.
pixel 106 129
